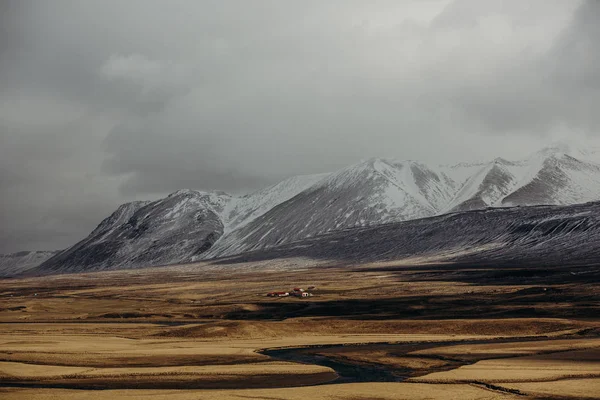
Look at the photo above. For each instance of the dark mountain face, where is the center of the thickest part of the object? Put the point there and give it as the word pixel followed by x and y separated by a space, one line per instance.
pixel 170 230
pixel 541 236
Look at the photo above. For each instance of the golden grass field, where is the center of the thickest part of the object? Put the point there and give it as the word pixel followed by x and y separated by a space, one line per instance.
pixel 196 332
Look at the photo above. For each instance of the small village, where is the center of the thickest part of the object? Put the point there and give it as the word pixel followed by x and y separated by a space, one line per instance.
pixel 295 292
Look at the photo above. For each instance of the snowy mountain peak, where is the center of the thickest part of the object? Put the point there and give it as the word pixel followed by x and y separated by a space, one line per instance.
pixel 241 211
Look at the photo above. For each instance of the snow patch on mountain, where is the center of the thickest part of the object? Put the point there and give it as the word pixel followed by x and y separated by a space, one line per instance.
pixel 557 179
pixel 242 210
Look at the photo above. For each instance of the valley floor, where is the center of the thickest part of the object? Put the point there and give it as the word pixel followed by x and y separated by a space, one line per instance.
pixel 369 332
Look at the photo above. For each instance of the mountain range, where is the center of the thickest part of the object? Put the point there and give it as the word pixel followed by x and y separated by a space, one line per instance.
pixel 191 225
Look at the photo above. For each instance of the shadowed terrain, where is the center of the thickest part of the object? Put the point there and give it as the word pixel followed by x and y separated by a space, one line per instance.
pixel 498 239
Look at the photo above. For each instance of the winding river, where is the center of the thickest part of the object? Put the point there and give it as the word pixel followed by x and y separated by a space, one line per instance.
pixel 347 371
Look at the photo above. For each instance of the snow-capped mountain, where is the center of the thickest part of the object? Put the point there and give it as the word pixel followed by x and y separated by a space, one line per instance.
pixel 550 176
pixel 173 229
pixel 242 210
pixel 382 191
pixel 488 185
pixel 176 229
pixel 372 192
pixel 190 225
pixel 23 261
pixel 557 179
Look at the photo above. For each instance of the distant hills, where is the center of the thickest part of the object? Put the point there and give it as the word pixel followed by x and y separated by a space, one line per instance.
pixel 23 261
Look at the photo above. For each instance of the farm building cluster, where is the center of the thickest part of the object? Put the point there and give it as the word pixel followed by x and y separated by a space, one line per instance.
pixel 295 292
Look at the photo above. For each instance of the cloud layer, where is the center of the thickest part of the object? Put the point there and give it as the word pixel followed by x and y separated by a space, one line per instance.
pixel 106 101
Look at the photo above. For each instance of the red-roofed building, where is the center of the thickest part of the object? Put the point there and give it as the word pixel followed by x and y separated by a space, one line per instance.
pixel 278 294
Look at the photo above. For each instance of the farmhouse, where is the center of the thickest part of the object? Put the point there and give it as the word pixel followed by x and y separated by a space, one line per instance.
pixel 299 292
pixel 295 292
pixel 278 294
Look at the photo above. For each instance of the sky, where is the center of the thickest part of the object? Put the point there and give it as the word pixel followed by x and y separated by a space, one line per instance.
pixel 108 101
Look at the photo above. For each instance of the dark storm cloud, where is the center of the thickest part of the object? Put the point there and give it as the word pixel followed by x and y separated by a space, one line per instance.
pixel 107 101
pixel 156 163
pixel 573 69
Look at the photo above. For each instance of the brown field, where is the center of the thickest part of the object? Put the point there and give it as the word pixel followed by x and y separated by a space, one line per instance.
pixel 200 331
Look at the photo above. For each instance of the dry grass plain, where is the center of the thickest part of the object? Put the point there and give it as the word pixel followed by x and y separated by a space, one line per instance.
pixel 380 332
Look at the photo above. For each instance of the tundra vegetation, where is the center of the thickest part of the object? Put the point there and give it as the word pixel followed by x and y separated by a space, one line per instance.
pixel 379 330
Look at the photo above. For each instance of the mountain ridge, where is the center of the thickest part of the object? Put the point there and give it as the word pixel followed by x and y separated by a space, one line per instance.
pixel 370 193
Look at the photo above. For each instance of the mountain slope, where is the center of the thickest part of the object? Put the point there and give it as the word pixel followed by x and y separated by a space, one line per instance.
pixel 372 192
pixel 383 191
pixel 486 187
pixel 550 176
pixel 540 236
pixel 170 230
pixel 242 210
pixel 561 179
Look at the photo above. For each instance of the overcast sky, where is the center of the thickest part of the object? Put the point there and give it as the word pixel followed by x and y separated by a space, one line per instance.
pixel 107 101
